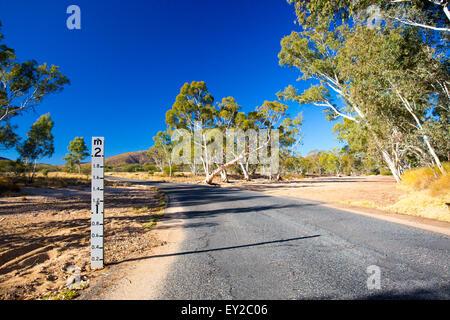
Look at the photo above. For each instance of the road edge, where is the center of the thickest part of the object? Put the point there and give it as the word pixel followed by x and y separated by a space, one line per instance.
pixel 125 281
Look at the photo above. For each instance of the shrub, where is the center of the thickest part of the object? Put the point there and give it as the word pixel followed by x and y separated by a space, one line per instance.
pixel 45 172
pixel 167 171
pixel 385 172
pixel 441 186
pixel 149 168
pixel 8 189
pixel 132 168
pixel 418 178
pixel 86 170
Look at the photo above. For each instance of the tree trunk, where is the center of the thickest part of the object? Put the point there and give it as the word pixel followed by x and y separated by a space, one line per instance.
pixel 224 175
pixel 245 171
pixel 280 170
pixel 391 165
pixel 34 170
pixel 210 177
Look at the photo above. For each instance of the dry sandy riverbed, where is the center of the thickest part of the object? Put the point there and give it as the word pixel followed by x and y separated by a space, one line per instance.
pixel 48 229
pixel 380 190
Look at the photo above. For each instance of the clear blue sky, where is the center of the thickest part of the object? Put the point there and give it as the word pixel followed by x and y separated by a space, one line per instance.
pixel 130 59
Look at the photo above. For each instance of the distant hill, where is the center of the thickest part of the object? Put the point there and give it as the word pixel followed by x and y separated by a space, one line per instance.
pixel 1 158
pixel 137 157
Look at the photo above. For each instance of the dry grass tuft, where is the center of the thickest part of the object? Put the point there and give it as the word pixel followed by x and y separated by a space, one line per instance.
pixel 420 203
pixel 440 187
pixel 418 178
pixel 430 193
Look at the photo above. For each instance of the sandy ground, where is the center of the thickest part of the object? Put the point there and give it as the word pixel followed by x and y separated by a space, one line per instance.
pixel 49 229
pixel 377 189
pixel 142 277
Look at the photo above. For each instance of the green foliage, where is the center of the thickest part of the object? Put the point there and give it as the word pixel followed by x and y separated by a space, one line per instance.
pixel 39 142
pixel 24 86
pixel 66 294
pixel 45 172
pixel 149 168
pixel 192 104
pixel 8 138
pixel 168 171
pixel 132 168
pixel 86 170
pixel 78 151
pixel 388 83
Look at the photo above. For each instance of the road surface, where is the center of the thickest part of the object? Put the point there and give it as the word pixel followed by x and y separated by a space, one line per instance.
pixel 246 245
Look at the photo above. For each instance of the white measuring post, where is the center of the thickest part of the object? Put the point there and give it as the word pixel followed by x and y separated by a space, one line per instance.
pixel 98 156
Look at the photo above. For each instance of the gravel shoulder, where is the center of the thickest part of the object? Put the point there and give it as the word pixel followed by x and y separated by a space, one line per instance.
pixel 44 232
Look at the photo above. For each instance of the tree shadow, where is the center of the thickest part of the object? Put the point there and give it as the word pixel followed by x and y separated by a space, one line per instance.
pixel 249 245
pixel 425 293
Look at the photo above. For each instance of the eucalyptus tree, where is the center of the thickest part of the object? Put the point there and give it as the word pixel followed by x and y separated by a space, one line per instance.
pixel 39 143
pixel 23 86
pixel 363 77
pixel 162 150
pixel 427 14
pixel 247 124
pixel 158 156
pixel 78 152
pixel 194 111
pixel 290 138
pixel 394 80
pixel 225 120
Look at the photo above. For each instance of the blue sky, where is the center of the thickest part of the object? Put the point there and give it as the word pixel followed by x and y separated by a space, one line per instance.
pixel 130 58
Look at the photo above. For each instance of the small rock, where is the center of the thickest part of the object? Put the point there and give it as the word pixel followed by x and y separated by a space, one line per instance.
pixel 72 269
pixel 51 277
pixel 73 280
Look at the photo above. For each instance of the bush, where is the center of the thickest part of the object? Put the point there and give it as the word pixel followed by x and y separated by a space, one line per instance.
pixel 86 170
pixel 441 186
pixel 166 171
pixel 132 168
pixel 45 172
pixel 418 178
pixel 149 168
pixel 385 172
pixel 7 165
pixel 8 189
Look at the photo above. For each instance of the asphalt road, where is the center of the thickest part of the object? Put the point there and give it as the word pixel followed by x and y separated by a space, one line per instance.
pixel 245 245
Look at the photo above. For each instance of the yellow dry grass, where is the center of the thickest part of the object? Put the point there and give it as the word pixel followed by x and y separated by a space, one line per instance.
pixel 429 193
pixel 422 204
pixel 418 178
pixel 10 185
pixel 184 178
pixel 441 186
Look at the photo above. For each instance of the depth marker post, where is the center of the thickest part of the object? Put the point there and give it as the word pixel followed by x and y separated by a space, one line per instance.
pixel 97 173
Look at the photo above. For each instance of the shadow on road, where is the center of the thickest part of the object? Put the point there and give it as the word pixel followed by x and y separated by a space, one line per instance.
pixel 218 249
